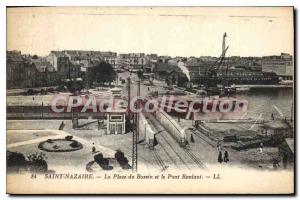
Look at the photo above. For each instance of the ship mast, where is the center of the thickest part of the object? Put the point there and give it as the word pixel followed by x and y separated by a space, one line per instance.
pixel 211 74
pixel 224 45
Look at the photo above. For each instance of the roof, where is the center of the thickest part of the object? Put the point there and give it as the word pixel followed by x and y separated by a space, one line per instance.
pixel 116 110
pixel 14 57
pixel 290 143
pixel 199 63
pixel 166 68
pixel 276 124
pixel 41 66
pixel 74 63
pixel 58 53
pixel 116 89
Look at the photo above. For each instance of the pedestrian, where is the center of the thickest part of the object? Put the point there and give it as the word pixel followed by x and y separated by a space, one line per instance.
pixel 186 142
pixel 61 126
pixel 275 164
pixel 261 147
pixel 219 146
pixel 99 124
pixel 192 138
pixel 93 149
pixel 226 156
pixel 220 159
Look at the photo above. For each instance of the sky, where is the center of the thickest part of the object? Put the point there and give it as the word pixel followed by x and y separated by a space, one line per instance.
pixel 173 31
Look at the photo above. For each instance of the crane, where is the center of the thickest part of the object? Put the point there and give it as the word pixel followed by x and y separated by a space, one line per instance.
pixel 211 74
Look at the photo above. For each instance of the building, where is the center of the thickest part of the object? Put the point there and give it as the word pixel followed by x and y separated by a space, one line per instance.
pixel 116 121
pixel 45 74
pixel 53 57
pixel 137 61
pixel 282 65
pixel 277 127
pixel 123 61
pixel 197 69
pixel 286 151
pixel 110 57
pixel 26 72
pixel 19 71
pixel 172 74
pixel 151 62
pixel 29 71
pixel 132 61
pixel 164 59
pixel 68 69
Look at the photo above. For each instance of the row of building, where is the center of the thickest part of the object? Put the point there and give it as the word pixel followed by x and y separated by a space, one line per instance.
pixel 235 69
pixel 25 71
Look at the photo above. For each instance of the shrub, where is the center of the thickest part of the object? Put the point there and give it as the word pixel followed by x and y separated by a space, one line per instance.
pixel 98 157
pixel 35 162
pixel 102 162
pixel 107 167
pixel 31 92
pixel 51 89
pixel 43 92
pixel 123 161
pixel 38 162
pixel 75 144
pixel 105 161
pixel 69 137
pixel 119 154
pixel 39 166
pixel 15 160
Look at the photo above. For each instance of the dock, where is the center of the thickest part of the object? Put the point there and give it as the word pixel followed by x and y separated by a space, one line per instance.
pixel 263 86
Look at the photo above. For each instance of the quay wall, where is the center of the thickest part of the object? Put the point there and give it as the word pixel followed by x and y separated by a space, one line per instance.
pixel 45 112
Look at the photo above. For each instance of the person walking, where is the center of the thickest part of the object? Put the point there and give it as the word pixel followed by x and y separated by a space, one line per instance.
pixel 61 126
pixel 99 124
pixel 275 164
pixel 261 147
pixel 93 149
pixel 226 156
pixel 219 146
pixel 192 138
pixel 220 159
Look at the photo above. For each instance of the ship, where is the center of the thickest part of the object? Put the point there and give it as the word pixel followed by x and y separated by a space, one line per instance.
pixel 248 77
pixel 220 79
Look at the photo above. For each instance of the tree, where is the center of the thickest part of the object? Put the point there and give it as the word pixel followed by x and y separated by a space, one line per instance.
pixel 35 57
pixel 101 73
pixel 74 85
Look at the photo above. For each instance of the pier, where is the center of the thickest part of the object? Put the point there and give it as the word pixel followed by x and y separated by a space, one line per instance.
pixel 263 86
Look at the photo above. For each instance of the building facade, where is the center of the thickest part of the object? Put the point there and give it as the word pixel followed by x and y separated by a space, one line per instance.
pixel 282 65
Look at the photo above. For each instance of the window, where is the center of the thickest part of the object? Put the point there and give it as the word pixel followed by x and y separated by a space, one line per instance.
pixel 116 117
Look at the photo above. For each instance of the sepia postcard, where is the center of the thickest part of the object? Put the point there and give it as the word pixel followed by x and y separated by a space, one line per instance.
pixel 150 100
